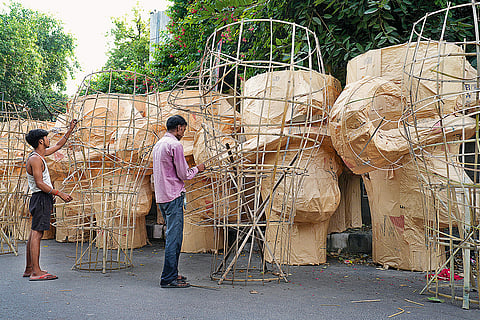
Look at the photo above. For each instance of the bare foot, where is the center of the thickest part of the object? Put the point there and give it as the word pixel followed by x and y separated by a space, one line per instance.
pixel 28 272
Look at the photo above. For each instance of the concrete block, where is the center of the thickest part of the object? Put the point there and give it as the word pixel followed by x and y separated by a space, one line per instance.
pixel 336 241
pixel 158 231
pixel 351 242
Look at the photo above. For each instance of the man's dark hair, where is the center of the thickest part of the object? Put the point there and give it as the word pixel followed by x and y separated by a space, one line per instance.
pixel 33 136
pixel 174 121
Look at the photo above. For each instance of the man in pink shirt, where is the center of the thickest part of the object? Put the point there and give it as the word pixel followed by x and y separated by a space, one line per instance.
pixel 170 169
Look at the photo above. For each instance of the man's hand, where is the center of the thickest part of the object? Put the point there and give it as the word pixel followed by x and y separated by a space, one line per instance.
pixel 62 140
pixel 73 123
pixel 201 167
pixel 65 197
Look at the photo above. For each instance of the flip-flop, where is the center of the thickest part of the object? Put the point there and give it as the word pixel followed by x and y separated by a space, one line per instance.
pixel 43 277
pixel 27 275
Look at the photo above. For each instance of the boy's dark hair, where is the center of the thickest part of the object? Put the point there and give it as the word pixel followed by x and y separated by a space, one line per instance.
pixel 33 136
pixel 174 121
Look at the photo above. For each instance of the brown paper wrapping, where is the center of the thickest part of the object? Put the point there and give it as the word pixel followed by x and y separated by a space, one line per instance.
pixel 388 63
pixel 349 212
pixel 365 130
pixel 307 243
pixel 315 203
pixel 124 234
pixel 266 96
pixel 398 217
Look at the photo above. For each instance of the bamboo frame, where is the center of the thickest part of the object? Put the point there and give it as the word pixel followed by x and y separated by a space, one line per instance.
pixel 109 154
pixel 15 122
pixel 255 164
pixel 448 171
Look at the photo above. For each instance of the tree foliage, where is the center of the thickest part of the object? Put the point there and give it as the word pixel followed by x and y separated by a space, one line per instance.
pixel 192 22
pixel 36 58
pixel 129 51
pixel 345 29
pixel 130 46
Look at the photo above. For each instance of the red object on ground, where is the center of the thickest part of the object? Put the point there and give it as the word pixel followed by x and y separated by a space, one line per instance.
pixel 445 275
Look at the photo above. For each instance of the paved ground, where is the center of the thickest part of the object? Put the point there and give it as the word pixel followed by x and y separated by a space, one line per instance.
pixel 314 292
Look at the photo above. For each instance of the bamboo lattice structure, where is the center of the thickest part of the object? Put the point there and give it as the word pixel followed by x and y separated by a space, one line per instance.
pixel 263 96
pixel 15 122
pixel 441 84
pixel 109 156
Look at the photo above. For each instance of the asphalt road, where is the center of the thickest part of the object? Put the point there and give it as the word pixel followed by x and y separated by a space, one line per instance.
pixel 330 291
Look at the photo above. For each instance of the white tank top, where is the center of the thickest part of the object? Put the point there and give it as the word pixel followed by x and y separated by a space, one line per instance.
pixel 45 175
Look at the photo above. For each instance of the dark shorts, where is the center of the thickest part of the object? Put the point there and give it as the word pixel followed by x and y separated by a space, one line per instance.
pixel 41 208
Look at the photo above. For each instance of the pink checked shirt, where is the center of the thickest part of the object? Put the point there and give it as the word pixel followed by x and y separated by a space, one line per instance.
pixel 170 169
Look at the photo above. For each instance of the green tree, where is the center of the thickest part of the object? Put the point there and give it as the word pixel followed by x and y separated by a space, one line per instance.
pixel 345 28
pixel 191 23
pixel 130 46
pixel 36 58
pixel 129 51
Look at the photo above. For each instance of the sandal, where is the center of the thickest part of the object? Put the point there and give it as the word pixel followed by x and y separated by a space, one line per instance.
pixel 175 284
pixel 43 277
pixel 27 275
